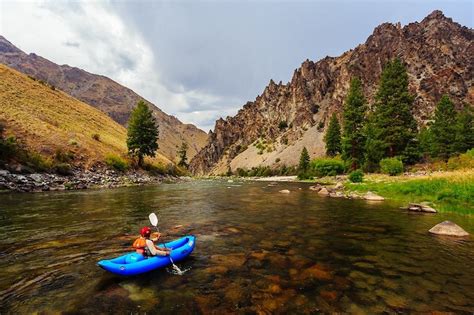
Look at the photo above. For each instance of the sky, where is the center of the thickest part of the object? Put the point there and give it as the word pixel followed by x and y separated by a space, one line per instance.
pixel 201 60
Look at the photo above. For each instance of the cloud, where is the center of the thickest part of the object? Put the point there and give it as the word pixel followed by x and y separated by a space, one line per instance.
pixel 201 60
pixel 103 44
pixel 72 44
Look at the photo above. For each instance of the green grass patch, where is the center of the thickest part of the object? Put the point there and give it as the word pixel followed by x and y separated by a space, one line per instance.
pixel 450 194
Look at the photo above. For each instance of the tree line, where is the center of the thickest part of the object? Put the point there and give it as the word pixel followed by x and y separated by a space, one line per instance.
pixel 387 129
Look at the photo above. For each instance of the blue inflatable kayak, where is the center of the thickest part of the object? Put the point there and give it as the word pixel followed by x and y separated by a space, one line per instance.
pixel 133 263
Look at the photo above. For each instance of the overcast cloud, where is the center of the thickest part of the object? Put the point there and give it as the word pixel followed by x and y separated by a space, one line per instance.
pixel 202 60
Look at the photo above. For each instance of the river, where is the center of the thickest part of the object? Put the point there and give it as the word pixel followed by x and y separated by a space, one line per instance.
pixel 257 251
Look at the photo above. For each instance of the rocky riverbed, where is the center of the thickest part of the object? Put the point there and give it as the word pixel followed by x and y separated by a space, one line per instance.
pixel 78 179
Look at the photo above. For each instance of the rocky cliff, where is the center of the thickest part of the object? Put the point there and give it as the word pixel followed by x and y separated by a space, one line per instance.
pixel 272 129
pixel 105 94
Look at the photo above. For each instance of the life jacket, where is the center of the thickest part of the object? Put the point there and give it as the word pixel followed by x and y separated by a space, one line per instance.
pixel 140 246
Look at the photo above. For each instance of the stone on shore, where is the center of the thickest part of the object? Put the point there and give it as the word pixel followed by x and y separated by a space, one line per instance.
pixel 323 191
pixel 373 197
pixel 285 191
pixel 315 188
pixel 339 185
pixel 448 228
pixel 421 207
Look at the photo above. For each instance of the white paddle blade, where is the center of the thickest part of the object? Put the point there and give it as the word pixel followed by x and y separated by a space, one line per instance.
pixel 153 219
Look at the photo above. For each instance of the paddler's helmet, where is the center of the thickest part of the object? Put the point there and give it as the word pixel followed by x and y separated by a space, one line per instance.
pixel 145 231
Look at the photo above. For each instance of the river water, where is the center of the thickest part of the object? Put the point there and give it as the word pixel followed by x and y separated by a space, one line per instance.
pixel 257 251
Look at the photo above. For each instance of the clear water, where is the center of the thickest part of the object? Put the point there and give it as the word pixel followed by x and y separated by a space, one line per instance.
pixel 257 251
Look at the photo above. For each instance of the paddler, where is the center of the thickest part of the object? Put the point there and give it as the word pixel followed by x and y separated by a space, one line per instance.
pixel 145 244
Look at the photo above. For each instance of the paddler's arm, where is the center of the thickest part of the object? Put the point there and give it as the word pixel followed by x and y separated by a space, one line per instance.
pixel 154 250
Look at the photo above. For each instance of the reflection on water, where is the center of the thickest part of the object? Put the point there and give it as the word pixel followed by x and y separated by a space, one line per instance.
pixel 257 251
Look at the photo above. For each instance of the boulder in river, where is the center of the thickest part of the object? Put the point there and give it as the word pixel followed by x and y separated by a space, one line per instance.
pixel 285 191
pixel 421 207
pixel 373 197
pixel 448 228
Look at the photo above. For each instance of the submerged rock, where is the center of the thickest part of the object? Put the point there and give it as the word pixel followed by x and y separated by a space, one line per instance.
pixel 373 197
pixel 285 191
pixel 421 207
pixel 448 228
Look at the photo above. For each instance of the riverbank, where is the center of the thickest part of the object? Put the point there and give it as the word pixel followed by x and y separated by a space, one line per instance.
pixel 447 191
pixel 78 179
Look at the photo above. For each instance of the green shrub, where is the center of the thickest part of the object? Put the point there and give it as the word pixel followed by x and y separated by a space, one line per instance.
pixel 154 169
pixel 73 142
pixel 462 161
pixel 63 169
pixel 96 137
pixel 391 166
pixel 305 175
pixel 242 172
pixel 36 161
pixel 321 126
pixel 8 148
pixel 356 176
pixel 282 125
pixel 327 166
pixel 63 157
pixel 116 162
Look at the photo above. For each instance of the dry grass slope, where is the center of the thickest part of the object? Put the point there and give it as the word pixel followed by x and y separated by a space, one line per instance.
pixel 47 120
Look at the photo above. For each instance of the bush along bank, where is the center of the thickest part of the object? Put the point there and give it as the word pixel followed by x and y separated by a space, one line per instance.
pixel 77 179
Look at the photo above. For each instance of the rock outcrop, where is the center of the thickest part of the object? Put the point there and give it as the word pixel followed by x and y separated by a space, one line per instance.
pixel 448 228
pixel 272 129
pixel 99 91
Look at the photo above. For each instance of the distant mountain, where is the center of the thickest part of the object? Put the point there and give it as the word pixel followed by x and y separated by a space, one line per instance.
pixel 48 121
pixel 105 94
pixel 439 56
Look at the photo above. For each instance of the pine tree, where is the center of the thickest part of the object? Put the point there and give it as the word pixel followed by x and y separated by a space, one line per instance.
pixel 183 159
pixel 394 124
pixel 443 129
pixel 464 130
pixel 425 141
pixel 333 137
pixel 353 139
pixel 142 133
pixel 304 160
pixel 373 147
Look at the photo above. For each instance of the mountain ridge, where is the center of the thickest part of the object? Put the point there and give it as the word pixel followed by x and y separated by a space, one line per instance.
pixel 107 95
pixel 437 52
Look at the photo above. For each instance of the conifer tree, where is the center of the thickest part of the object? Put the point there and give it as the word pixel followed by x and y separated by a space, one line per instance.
pixel 333 137
pixel 394 125
pixel 464 130
pixel 304 160
pixel 183 159
pixel 142 133
pixel 443 129
pixel 353 139
pixel 373 147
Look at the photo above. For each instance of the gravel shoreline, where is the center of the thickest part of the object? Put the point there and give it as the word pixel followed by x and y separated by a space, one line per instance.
pixel 78 179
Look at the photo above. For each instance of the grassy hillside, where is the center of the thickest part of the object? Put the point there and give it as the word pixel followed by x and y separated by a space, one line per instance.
pixel 47 120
